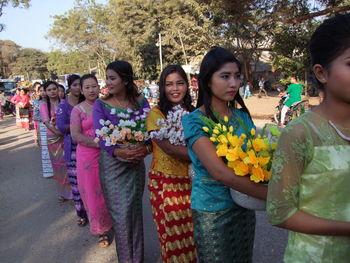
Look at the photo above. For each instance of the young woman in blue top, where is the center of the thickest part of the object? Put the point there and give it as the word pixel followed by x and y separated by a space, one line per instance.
pixel 223 231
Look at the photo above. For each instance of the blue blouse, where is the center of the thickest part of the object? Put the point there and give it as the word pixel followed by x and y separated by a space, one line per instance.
pixel 208 194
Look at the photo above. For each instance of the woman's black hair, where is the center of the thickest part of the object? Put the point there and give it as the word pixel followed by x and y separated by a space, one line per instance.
pixel 329 41
pixel 71 79
pixel 164 104
pixel 124 70
pixel 211 63
pixel 48 103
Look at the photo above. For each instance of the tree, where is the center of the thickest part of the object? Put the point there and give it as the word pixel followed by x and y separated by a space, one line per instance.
pixel 84 29
pixel 15 3
pixel 129 30
pixel 60 62
pixel 281 27
pixel 31 63
pixel 8 52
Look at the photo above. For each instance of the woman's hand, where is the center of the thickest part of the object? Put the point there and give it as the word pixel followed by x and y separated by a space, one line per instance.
pixel 132 154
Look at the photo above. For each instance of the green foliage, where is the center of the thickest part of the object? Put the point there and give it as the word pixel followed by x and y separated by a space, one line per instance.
pixel 129 30
pixel 8 52
pixel 70 62
pixel 31 63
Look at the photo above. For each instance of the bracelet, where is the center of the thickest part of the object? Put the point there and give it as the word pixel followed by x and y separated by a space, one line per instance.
pixel 148 148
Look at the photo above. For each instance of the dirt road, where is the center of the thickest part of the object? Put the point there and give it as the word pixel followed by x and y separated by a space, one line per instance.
pixel 34 228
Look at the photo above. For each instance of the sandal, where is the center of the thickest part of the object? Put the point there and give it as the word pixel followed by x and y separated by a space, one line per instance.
pixel 103 240
pixel 82 222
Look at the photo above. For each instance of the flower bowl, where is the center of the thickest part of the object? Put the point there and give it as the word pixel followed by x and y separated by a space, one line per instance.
pixel 247 201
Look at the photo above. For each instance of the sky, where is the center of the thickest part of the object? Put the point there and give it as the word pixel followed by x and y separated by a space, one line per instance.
pixel 28 27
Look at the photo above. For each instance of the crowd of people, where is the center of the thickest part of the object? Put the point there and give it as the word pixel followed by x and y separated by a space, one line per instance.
pixel 196 218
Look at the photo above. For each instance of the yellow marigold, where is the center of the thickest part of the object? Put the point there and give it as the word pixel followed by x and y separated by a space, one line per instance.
pixel 225 119
pixel 252 132
pixel 221 150
pixel 267 175
pixel 234 140
pixel 230 129
pixel 213 139
pixel 216 131
pixel 239 167
pixel 263 160
pixel 259 145
pixel 257 174
pixel 243 136
pixel 222 138
pixel 232 154
pixel 224 128
pixel 251 158
pixel 206 129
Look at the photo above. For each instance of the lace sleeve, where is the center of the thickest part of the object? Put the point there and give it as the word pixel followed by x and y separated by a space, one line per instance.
pixel 295 149
pixel 76 129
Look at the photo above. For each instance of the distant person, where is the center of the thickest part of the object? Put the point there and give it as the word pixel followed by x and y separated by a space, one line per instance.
pixel 48 116
pixel 2 104
pixel 64 111
pixel 294 91
pixel 247 91
pixel 262 86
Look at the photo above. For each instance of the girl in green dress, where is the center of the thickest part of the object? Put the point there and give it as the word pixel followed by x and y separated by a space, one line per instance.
pixel 309 187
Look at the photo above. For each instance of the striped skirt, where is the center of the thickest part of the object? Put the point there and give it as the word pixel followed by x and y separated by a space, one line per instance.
pixel 225 236
pixel 72 175
pixel 45 156
pixel 171 208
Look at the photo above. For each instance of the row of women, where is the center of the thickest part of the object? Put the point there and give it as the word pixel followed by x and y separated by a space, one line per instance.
pixel 308 193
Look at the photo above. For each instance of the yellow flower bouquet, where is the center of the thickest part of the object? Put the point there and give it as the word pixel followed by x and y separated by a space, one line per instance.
pixel 249 154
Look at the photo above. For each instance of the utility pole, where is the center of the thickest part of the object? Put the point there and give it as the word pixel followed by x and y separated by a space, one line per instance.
pixel 160 52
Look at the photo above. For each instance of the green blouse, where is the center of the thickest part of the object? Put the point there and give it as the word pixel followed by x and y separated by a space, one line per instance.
pixel 311 173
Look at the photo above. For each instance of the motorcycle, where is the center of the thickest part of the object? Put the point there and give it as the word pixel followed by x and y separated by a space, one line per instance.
pixel 294 111
pixel 9 108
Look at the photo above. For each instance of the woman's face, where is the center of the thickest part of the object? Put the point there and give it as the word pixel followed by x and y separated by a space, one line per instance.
pixel 52 91
pixel 41 92
pixel 337 78
pixel 61 93
pixel 22 92
pixel 225 82
pixel 90 89
pixel 175 88
pixel 114 82
pixel 75 88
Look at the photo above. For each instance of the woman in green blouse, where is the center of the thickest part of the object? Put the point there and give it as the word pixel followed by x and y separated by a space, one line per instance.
pixel 310 184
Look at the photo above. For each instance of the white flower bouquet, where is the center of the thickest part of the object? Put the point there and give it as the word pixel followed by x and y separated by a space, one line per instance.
pixel 131 128
pixel 171 127
pixel 172 130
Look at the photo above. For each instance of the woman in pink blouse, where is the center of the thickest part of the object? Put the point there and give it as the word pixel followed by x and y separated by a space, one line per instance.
pixel 88 152
pixel 55 140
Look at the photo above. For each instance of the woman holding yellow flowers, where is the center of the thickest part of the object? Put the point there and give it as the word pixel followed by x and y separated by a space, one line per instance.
pixel 310 181
pixel 223 231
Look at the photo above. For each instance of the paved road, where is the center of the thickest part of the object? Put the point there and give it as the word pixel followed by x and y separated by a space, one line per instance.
pixel 34 228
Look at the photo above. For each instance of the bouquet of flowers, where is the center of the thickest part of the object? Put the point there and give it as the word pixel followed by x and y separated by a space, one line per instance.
pixel 250 153
pixel 171 127
pixel 131 128
pixel 172 130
